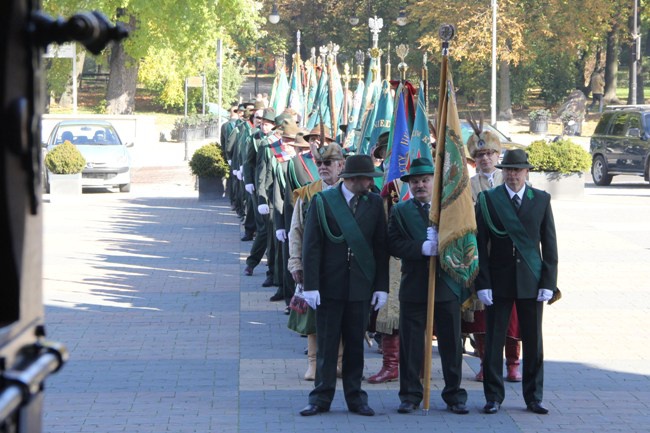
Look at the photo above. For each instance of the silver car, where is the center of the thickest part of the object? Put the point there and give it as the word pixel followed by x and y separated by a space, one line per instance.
pixel 108 163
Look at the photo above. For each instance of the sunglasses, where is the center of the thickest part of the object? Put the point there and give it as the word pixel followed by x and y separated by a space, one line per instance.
pixel 326 163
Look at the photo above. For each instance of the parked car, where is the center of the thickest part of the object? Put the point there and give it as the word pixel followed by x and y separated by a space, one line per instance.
pixel 506 142
pixel 621 143
pixel 108 163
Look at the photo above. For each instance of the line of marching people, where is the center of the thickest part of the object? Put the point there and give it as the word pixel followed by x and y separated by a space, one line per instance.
pixel 358 261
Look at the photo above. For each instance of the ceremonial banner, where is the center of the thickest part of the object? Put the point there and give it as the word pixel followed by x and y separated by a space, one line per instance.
pixel 296 92
pixel 383 117
pixel 353 120
pixel 280 97
pixel 321 104
pixel 398 144
pixel 452 209
pixel 420 145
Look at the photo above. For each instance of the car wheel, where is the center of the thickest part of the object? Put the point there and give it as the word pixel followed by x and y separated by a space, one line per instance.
pixel 125 188
pixel 599 172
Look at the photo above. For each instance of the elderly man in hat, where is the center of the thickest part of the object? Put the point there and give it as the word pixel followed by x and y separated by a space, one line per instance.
pixel 485 148
pixel 345 267
pixel 412 239
pixel 329 160
pixel 517 265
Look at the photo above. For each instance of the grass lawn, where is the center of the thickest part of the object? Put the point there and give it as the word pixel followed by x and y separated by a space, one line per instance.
pixel 621 94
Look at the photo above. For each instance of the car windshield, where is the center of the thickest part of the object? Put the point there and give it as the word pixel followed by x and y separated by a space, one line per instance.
pixel 87 135
pixel 646 122
pixel 466 131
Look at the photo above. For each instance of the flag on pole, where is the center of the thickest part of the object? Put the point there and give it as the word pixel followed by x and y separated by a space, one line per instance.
pixel 383 117
pixel 452 209
pixel 353 120
pixel 321 104
pixel 399 143
pixel 281 95
pixel 296 91
pixel 420 146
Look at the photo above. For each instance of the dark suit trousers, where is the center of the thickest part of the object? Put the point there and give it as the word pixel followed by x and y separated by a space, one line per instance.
pixel 529 312
pixel 413 318
pixel 260 242
pixel 337 320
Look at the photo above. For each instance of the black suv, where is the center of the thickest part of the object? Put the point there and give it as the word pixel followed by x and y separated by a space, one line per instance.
pixel 621 144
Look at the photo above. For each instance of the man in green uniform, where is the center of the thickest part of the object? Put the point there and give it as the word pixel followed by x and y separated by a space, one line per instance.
pixel 515 223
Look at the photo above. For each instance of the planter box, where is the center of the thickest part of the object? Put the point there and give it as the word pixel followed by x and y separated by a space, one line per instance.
pixel 65 187
pixel 538 126
pixel 211 188
pixel 561 186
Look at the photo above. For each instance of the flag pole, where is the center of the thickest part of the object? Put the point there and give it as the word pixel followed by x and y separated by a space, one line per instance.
pixel 446 34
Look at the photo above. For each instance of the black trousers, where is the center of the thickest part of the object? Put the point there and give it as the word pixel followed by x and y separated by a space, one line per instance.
pixel 260 242
pixel 529 312
pixel 336 320
pixel 412 323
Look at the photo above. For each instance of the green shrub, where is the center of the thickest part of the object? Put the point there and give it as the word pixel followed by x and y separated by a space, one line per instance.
pixel 562 156
pixel 539 114
pixel 208 161
pixel 65 159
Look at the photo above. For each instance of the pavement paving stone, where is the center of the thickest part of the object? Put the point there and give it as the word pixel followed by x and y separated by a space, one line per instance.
pixel 167 335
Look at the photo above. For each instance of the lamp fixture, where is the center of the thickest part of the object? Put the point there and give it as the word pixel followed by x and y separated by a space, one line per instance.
pixel 274 18
pixel 401 18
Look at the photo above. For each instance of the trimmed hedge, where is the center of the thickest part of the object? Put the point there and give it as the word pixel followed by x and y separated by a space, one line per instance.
pixel 65 158
pixel 562 156
pixel 208 161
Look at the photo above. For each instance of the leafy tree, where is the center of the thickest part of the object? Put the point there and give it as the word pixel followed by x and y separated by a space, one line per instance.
pixel 187 28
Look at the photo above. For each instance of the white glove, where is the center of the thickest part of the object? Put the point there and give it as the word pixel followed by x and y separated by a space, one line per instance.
pixel 544 295
pixel 432 234
pixel 281 234
pixel 379 300
pixel 235 173
pixel 250 188
pixel 485 296
pixel 312 297
pixel 230 162
pixel 239 174
pixel 263 209
pixel 430 248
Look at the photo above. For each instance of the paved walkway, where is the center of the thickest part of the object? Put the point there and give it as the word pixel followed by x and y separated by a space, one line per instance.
pixel 166 335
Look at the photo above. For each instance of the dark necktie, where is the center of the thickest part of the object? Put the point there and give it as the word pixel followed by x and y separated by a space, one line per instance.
pixel 516 201
pixel 354 201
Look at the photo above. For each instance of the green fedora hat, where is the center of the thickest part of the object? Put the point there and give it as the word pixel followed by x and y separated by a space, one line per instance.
pixel 515 158
pixel 419 167
pixel 359 165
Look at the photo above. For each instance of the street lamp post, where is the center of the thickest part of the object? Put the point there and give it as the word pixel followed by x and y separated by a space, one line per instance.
pixel 257 67
pixel 637 52
pixel 493 100
pixel 274 18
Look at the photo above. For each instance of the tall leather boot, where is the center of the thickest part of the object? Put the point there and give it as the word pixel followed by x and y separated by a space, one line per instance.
pixel 339 362
pixel 513 349
pixel 479 339
pixel 390 368
pixel 310 374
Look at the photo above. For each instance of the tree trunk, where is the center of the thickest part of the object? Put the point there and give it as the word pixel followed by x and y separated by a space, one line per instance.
pixel 66 99
pixel 640 96
pixel 611 66
pixel 505 103
pixel 122 79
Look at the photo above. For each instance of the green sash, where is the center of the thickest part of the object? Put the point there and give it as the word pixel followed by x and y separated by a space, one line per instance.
pixel 404 212
pixel 350 231
pixel 513 228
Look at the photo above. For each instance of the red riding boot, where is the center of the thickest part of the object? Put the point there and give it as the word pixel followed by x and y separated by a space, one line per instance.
pixel 390 368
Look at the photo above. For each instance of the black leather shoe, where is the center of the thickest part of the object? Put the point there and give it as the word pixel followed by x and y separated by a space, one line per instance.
pixel 407 407
pixel 458 408
pixel 268 282
pixel 277 297
pixel 491 407
pixel 363 409
pixel 247 237
pixel 248 271
pixel 312 409
pixel 536 406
